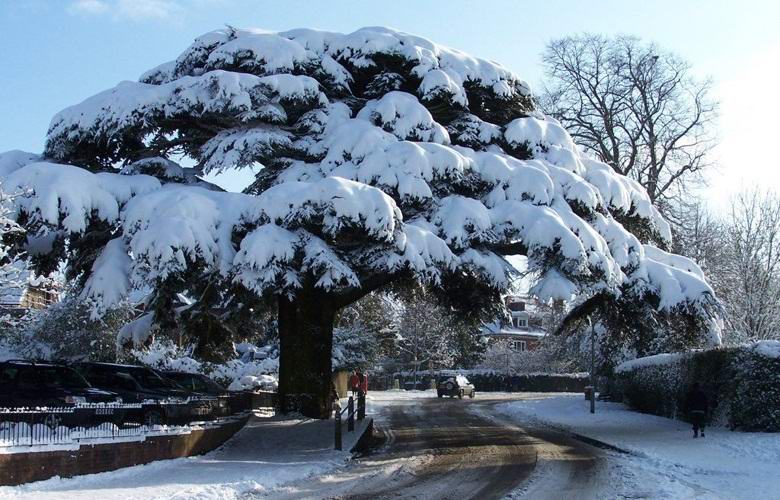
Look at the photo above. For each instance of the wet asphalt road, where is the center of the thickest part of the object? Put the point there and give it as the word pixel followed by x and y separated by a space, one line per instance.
pixel 455 449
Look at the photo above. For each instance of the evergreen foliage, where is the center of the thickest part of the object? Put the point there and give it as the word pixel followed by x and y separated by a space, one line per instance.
pixel 386 158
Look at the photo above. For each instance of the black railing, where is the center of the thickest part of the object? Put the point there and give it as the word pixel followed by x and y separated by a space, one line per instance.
pixel 360 413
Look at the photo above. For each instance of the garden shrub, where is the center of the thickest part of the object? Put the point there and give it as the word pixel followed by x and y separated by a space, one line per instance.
pixel 741 383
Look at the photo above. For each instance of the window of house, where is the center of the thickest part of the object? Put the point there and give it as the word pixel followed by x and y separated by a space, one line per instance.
pixel 519 345
pixel 520 322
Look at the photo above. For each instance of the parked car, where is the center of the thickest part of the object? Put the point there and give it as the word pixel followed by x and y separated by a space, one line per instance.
pixel 196 382
pixel 164 401
pixel 203 386
pixel 28 384
pixel 455 386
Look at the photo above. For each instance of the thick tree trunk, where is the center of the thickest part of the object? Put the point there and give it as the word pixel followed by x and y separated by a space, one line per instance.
pixel 305 344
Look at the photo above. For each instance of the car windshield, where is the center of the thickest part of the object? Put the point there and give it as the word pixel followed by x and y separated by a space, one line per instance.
pixel 60 376
pixel 196 382
pixel 150 380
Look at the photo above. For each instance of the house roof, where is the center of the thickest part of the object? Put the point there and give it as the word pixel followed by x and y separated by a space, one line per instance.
pixel 516 333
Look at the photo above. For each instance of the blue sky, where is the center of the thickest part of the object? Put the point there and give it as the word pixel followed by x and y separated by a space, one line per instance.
pixel 56 53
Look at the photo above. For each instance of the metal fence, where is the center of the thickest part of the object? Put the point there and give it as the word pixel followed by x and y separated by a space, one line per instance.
pixel 352 413
pixel 73 424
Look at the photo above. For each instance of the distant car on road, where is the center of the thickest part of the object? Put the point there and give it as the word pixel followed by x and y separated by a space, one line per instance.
pixel 452 386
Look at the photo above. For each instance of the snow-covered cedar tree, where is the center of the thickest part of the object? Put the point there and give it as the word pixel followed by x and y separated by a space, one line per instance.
pixel 384 157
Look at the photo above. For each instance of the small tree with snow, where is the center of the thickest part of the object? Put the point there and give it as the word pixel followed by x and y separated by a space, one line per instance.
pixel 386 158
pixel 12 267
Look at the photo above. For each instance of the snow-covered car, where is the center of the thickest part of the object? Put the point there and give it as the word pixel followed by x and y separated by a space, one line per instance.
pixel 455 386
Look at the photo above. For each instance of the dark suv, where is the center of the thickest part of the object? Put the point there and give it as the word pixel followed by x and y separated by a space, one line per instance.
pixel 163 400
pixel 208 390
pixel 27 384
pixel 455 385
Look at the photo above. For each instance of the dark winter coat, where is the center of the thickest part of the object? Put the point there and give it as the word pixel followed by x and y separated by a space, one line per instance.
pixel 696 400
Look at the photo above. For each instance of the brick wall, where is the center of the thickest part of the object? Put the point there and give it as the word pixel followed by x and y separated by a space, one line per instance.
pixel 19 468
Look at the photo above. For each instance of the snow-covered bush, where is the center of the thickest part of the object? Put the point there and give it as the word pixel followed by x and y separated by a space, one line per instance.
pixel 166 356
pixel 256 368
pixel 742 384
pixel 66 330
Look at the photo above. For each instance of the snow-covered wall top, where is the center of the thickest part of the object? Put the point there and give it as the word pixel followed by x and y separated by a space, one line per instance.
pixel 383 153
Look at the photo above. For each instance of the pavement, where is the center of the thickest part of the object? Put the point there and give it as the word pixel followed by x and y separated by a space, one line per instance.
pixel 267 452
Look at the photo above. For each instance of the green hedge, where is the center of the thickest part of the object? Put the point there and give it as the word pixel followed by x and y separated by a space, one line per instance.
pixel 742 385
pixel 491 381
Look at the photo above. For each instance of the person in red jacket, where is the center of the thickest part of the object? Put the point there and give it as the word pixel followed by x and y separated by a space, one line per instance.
pixel 363 383
pixel 354 383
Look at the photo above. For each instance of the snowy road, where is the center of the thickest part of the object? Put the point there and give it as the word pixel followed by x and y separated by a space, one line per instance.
pixel 443 448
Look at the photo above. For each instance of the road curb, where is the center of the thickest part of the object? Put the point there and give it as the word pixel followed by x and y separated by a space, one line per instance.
pixel 594 442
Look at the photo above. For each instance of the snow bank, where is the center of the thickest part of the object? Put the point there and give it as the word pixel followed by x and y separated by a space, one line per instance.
pixel 768 348
pixel 664 459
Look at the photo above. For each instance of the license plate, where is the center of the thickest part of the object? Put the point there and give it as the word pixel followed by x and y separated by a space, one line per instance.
pixel 104 411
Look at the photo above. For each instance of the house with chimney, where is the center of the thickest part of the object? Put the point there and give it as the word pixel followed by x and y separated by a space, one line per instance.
pixel 520 329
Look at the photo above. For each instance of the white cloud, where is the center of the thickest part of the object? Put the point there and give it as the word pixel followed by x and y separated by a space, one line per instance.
pixel 134 10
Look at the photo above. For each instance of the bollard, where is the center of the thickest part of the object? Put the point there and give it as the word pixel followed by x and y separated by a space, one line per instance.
pixel 361 412
pixel 351 416
pixel 338 430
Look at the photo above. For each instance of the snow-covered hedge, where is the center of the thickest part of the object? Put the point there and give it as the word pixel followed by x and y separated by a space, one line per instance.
pixel 247 373
pixel 742 384
pixel 492 380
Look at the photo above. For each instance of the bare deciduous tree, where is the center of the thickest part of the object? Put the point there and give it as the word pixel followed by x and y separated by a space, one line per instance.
pixel 753 272
pixel 635 106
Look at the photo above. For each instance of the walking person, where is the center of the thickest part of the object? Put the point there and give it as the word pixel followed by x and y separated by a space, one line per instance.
pixel 354 383
pixel 697 406
pixel 364 383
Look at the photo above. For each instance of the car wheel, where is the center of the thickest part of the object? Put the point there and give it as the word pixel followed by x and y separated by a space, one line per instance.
pixel 153 417
pixel 472 394
pixel 440 394
pixel 460 395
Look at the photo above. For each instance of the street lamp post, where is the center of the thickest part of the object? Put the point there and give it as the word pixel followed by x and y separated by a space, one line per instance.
pixel 592 365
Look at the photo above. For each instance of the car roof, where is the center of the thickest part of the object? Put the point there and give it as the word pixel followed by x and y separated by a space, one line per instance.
pixel 111 365
pixel 32 363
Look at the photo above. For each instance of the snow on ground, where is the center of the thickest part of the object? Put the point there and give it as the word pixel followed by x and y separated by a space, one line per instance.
pixel 664 460
pixel 268 452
